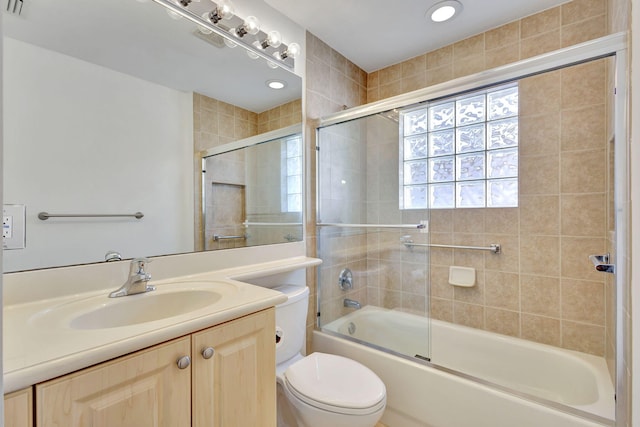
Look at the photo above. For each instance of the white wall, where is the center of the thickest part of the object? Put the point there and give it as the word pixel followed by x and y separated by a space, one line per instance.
pixel 80 138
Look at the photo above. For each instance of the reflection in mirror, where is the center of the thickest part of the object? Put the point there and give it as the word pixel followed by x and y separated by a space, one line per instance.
pixel 104 116
pixel 253 195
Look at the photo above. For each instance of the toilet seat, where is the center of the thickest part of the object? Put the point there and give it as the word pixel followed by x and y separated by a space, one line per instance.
pixel 335 384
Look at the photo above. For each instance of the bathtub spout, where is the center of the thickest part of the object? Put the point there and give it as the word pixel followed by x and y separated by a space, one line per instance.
pixel 351 303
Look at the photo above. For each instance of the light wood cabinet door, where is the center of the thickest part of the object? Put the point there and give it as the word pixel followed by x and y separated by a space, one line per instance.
pixel 18 408
pixel 236 386
pixel 143 389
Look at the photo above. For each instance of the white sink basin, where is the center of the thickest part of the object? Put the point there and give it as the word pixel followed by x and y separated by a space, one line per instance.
pixel 102 312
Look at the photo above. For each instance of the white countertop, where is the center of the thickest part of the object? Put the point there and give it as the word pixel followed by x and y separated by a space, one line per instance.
pixel 35 352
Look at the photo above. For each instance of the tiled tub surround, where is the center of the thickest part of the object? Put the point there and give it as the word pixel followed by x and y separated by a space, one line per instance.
pixel 542 287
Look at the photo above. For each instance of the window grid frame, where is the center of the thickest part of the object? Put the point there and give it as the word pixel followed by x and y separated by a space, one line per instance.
pixel 487 121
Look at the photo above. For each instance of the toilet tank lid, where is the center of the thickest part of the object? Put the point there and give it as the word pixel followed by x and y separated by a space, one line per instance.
pixel 293 292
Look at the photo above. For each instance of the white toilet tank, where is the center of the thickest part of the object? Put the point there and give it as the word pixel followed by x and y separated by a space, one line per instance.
pixel 291 321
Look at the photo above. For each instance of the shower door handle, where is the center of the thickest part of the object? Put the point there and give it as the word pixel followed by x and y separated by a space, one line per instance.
pixel 601 262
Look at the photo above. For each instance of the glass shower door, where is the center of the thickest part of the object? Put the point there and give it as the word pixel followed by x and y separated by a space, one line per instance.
pixel 366 233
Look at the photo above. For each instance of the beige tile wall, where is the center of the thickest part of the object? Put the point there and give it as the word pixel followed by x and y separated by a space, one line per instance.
pixel 332 84
pixel 542 287
pixel 574 22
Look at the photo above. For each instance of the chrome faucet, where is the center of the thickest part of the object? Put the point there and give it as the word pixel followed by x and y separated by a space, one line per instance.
pixel 351 303
pixel 137 282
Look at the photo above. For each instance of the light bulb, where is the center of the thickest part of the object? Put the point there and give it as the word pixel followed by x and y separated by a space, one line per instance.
pixel 293 50
pixel 273 39
pixel 252 54
pixel 228 42
pixel 224 10
pixel 173 15
pixel 442 14
pixel 204 30
pixel 251 26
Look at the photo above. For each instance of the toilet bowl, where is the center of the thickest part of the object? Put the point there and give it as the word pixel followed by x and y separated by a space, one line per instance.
pixel 321 389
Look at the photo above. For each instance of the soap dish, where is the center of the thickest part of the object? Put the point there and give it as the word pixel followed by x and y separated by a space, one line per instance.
pixel 462 276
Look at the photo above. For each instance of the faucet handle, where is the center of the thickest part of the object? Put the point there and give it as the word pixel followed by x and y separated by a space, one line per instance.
pixel 138 264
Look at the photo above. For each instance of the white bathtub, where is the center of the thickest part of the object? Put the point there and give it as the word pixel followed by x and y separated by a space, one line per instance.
pixel 422 395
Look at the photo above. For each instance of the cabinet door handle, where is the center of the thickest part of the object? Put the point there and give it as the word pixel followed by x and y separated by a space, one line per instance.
pixel 184 362
pixel 208 352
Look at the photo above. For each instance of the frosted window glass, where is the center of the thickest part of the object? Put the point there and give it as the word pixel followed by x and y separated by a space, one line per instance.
pixel 441 116
pixel 502 193
pixel 441 169
pixel 470 166
pixel 442 196
pixel 503 103
pixel 470 138
pixel 294 148
pixel 441 143
pixel 503 133
pixel 470 110
pixel 503 163
pixel 415 197
pixel 415 122
pixel 415 147
pixel 465 148
pixel 470 194
pixel 415 172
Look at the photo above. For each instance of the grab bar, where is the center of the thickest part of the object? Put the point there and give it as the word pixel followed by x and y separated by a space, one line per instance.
pixel 493 247
pixel 45 215
pixel 270 224
pixel 218 237
pixel 331 224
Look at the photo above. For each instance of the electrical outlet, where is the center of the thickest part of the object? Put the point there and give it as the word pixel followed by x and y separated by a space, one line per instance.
pixel 7 227
pixel 13 227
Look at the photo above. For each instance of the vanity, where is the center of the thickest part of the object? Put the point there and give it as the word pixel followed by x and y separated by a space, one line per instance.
pixel 76 358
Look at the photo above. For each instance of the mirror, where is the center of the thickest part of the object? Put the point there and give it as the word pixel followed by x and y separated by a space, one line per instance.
pixel 104 113
pixel 253 195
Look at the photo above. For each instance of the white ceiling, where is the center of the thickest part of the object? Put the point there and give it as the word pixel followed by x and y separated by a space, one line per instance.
pixel 374 34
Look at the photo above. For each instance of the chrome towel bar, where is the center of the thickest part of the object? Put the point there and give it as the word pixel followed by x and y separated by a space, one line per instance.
pixel 331 224
pixel 45 215
pixel 493 247
pixel 218 237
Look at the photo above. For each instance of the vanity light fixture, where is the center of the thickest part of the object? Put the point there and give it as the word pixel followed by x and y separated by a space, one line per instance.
pixel 276 84
pixel 238 32
pixel 293 50
pixel 224 10
pixel 273 39
pixel 444 10
pixel 251 25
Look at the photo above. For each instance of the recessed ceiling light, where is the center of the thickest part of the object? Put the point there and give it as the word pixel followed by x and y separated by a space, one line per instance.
pixel 444 10
pixel 276 84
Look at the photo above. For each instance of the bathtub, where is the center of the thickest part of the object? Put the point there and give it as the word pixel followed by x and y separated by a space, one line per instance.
pixel 474 378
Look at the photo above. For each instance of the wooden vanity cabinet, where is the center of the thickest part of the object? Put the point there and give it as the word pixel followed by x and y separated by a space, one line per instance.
pixel 234 373
pixel 18 408
pixel 143 389
pixel 235 386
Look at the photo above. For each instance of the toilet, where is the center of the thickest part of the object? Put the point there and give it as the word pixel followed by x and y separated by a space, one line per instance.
pixel 320 389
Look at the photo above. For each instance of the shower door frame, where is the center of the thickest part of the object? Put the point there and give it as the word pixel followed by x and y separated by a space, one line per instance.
pixel 615 46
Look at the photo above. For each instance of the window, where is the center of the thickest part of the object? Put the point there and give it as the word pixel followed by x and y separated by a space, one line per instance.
pixel 292 179
pixel 461 152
